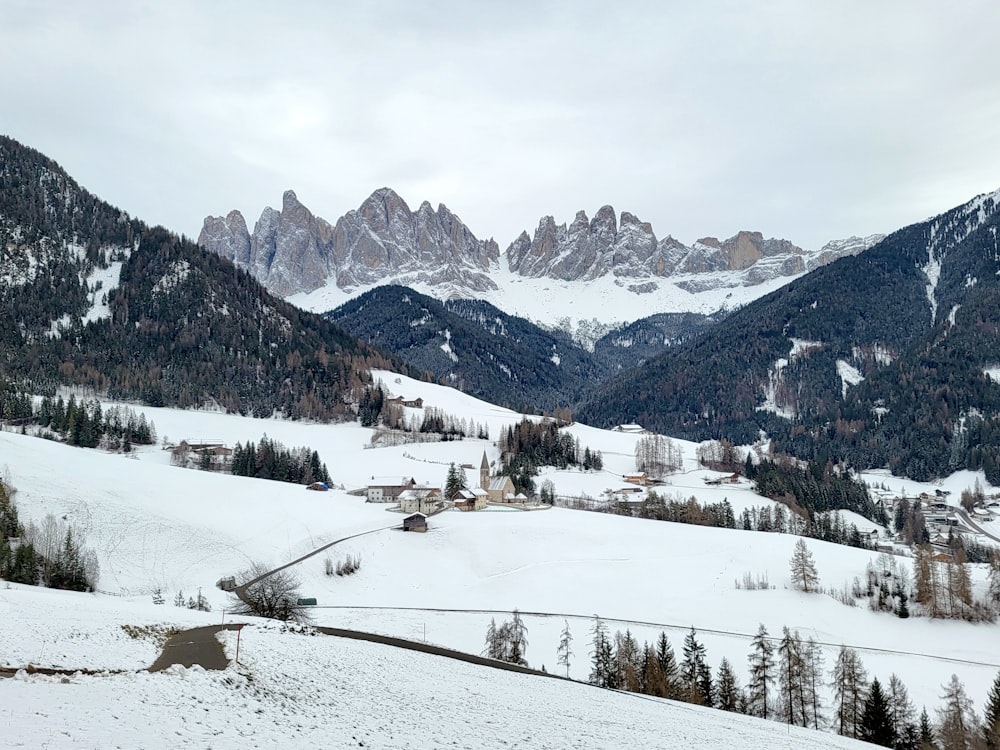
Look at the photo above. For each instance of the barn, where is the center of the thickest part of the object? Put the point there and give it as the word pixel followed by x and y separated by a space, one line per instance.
pixel 416 522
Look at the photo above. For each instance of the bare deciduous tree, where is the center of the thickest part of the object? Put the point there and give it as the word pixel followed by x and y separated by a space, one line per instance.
pixel 657 456
pixel 274 595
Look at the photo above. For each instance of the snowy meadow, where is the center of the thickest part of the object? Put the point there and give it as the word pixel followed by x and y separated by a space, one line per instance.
pixel 159 529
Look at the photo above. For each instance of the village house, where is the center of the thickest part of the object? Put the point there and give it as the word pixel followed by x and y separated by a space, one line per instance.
pixel 637 477
pixel 624 493
pixel 415 403
pixel 631 429
pixel 731 479
pixel 206 454
pixel 426 500
pixel 471 499
pixel 388 492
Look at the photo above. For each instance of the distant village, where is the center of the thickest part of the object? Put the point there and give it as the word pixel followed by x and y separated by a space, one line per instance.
pixel 418 502
pixel 421 501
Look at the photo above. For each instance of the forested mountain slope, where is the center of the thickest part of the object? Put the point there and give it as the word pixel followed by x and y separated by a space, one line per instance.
pixel 89 296
pixel 473 346
pixel 880 359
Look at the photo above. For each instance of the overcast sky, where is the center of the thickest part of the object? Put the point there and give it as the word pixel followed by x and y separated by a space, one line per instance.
pixel 805 121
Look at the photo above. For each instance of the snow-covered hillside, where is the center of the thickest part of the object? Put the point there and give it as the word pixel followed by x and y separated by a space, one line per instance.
pixel 153 526
pixel 297 691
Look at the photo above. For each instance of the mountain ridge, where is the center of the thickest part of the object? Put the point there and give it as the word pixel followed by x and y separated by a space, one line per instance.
pixel 878 359
pixel 90 297
pixel 293 252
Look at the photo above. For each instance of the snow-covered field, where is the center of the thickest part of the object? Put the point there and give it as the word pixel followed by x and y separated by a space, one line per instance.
pixel 293 690
pixel 156 526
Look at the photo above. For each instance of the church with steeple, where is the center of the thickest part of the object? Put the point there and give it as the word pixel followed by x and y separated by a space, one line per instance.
pixel 498 489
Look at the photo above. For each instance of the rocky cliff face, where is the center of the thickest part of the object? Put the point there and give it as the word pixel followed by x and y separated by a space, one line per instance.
pixel 589 249
pixel 293 251
pixel 383 241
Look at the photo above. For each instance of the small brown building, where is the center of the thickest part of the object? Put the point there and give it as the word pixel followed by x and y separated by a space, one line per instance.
pixel 638 477
pixel 416 522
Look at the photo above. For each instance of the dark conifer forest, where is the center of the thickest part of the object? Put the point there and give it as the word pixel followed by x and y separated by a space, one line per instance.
pixel 182 327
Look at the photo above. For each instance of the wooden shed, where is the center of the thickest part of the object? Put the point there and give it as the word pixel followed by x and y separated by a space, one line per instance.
pixel 416 522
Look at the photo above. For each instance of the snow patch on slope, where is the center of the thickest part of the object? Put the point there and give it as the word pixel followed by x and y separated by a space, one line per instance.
pixel 932 270
pixel 175 276
pixel 848 376
pixel 446 346
pixel 100 283
pixel 799 348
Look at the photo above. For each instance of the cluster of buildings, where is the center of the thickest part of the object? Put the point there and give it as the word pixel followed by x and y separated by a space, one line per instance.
pixel 414 498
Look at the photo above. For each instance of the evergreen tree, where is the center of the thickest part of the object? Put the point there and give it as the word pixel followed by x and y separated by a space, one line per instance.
pixel 991 717
pixel 455 482
pixel 652 677
pixel 666 663
pixel 692 672
pixel 705 685
pixel 727 689
pixel 761 663
pixel 926 733
pixel 876 721
pixel 602 672
pixel 804 575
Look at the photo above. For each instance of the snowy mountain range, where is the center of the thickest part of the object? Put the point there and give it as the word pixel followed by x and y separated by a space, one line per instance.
pixel 297 254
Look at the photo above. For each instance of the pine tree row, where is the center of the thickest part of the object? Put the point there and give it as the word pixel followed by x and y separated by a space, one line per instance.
pixel 528 445
pixel 85 424
pixel 269 459
pixel 786 684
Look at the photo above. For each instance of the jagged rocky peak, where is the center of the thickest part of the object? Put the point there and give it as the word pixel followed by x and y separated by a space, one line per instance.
pixel 293 250
pixel 383 240
pixel 287 251
pixel 383 209
pixel 586 249
pixel 625 246
pixel 227 237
